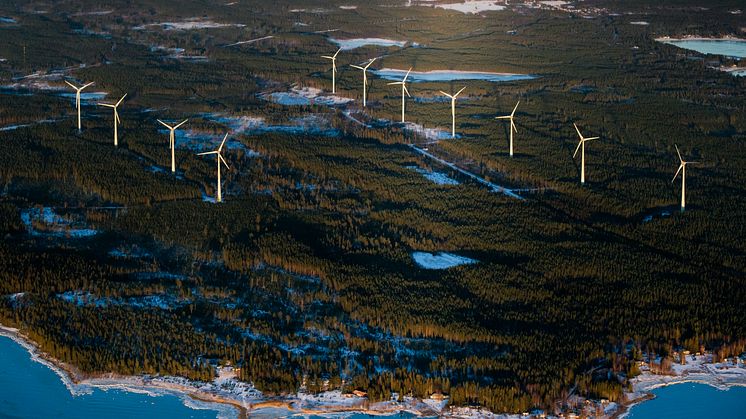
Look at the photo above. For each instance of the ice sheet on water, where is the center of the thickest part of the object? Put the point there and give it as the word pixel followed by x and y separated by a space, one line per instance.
pixel 353 43
pixel 442 260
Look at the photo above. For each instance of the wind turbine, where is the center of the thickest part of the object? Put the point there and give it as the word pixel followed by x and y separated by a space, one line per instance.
pixel 172 141
pixel 682 169
pixel 512 125
pixel 453 110
pixel 403 90
pixel 220 159
pixel 365 77
pixel 77 97
pixel 334 68
pixel 581 146
pixel 117 121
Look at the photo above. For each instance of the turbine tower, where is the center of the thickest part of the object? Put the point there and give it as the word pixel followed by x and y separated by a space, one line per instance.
pixel 453 110
pixel 403 91
pixel 682 169
pixel 172 141
pixel 581 147
pixel 365 77
pixel 512 125
pixel 117 121
pixel 220 159
pixel 77 97
pixel 334 69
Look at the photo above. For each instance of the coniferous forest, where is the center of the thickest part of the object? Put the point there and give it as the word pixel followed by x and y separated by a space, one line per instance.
pixel 304 276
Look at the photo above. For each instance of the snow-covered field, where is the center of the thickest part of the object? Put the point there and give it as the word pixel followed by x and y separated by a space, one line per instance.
pixel 474 6
pixel 449 75
pixel 178 54
pixel 189 24
pixel 304 96
pixel 44 221
pixel 161 301
pixel 430 134
pixel 348 44
pixel 438 178
pixel 442 260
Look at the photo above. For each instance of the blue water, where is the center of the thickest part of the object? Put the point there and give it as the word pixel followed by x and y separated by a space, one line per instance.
pixel 692 401
pixel 728 48
pixel 29 389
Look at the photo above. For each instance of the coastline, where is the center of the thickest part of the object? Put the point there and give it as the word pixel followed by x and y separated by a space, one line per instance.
pixel 243 400
pixel 698 369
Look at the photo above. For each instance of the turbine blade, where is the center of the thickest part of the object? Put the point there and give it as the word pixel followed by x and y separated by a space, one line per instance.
pixel 116 115
pixel 406 90
pixel 222 160
pixel 576 129
pixel 71 85
pixel 164 124
pixel 371 62
pixel 576 149
pixel 328 57
pixel 446 94
pixel 592 138
pixel 181 123
pixel 221 144
pixel 512 125
pixel 396 82
pixel 106 104
pixel 516 107
pixel 407 75
pixel 86 85
pixel 681 166
pixel 504 117
pixel 120 100
pixel 335 54
pixel 677 152
pixel 459 92
pixel 207 152
pixel 357 66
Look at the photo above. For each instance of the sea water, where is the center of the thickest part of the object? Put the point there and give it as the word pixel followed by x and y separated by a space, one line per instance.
pixel 695 401
pixel 29 389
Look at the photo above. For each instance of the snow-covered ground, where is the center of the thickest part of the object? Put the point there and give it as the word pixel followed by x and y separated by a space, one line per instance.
pixel 430 134
pixel 438 178
pixel 189 24
pixel 45 222
pixel 448 75
pixel 161 301
pixel 442 260
pixel 473 6
pixel 304 96
pixel 308 124
pixel 348 44
pixel 178 54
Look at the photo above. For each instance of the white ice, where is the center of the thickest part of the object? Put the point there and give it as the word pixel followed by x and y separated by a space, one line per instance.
pixel 448 75
pixel 441 260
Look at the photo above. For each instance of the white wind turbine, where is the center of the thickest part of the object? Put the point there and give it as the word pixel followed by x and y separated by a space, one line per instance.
pixel 117 121
pixel 403 91
pixel 365 77
pixel 172 141
pixel 581 146
pixel 453 110
pixel 77 97
pixel 334 69
pixel 220 159
pixel 682 169
pixel 512 125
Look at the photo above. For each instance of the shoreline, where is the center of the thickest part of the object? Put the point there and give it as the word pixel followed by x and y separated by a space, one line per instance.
pixel 699 370
pixel 699 38
pixel 243 400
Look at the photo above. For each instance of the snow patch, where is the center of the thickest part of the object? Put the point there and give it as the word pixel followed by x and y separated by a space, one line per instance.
pixel 442 260
pixel 349 44
pixel 449 75
pixel 436 177
pixel 189 24
pixel 473 6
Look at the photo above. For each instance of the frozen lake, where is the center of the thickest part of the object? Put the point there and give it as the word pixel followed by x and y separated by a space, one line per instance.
pixel 692 401
pixel 726 47
pixel 441 260
pixel 348 44
pixel 448 75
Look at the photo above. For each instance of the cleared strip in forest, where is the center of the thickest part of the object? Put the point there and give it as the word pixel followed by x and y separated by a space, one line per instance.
pixel 494 187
